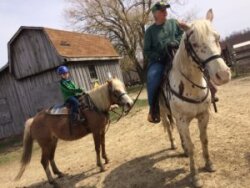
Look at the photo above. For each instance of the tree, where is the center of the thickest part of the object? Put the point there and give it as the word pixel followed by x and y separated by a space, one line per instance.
pixel 122 21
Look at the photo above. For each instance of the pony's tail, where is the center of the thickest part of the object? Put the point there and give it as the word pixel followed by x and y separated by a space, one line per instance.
pixel 27 148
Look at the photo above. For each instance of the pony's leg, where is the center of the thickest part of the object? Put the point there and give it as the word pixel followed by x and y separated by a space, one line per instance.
pixel 203 122
pixel 97 140
pixel 184 130
pixel 104 154
pixel 45 163
pixel 167 126
pixel 52 160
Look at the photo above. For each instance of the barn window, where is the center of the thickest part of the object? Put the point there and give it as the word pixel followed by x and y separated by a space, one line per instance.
pixel 92 72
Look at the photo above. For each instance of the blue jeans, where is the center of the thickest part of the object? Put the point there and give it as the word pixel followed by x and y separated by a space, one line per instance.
pixel 154 76
pixel 74 104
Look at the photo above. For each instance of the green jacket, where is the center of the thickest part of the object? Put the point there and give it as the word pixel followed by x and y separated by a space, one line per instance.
pixel 69 89
pixel 158 37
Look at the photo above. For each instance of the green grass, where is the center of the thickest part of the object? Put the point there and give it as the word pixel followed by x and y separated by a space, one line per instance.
pixel 140 103
pixel 134 89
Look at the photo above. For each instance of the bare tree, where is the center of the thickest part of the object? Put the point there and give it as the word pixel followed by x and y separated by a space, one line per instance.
pixel 122 21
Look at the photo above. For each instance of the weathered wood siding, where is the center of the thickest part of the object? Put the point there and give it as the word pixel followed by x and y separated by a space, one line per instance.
pixel 38 92
pixel 81 75
pixel 31 52
pixel 11 113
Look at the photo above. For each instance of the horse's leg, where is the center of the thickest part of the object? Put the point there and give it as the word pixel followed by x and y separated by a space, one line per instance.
pixel 183 146
pixel 45 162
pixel 167 126
pixel 184 130
pixel 97 140
pixel 52 160
pixel 104 154
pixel 203 122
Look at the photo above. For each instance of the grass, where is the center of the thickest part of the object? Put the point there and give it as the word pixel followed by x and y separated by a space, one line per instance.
pixel 140 103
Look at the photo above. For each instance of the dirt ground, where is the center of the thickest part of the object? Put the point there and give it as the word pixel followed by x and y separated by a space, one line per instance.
pixel 140 154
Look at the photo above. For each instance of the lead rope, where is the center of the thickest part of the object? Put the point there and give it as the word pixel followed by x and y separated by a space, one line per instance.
pixel 121 114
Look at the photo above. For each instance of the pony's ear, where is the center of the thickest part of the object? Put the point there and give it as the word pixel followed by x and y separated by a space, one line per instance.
pixel 210 15
pixel 184 26
pixel 109 82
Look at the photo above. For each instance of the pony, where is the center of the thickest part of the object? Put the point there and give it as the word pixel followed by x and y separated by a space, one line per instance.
pixel 46 128
pixel 185 93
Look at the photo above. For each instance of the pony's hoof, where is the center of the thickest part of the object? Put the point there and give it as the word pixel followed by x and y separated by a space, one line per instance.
pixel 60 175
pixel 107 161
pixel 52 182
pixel 102 169
pixel 210 168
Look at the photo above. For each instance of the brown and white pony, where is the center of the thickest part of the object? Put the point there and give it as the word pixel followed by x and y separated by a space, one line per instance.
pixel 46 129
pixel 197 60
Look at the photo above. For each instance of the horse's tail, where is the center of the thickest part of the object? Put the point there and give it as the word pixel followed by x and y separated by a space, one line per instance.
pixel 27 148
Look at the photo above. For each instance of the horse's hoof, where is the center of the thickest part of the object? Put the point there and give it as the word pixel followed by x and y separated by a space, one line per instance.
pixel 210 168
pixel 173 146
pixel 52 182
pixel 197 183
pixel 185 154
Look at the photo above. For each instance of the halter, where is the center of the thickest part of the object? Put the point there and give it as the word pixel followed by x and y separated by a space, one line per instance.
pixel 117 95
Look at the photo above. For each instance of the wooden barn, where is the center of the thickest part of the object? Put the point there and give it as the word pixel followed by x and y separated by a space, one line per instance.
pixel 29 83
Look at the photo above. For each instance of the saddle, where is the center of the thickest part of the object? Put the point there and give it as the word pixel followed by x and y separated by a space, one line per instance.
pixel 64 109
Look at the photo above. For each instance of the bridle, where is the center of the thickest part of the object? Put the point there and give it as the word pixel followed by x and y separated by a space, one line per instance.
pixel 191 52
pixel 201 65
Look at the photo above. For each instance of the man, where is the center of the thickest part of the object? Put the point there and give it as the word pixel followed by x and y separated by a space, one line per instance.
pixel 160 38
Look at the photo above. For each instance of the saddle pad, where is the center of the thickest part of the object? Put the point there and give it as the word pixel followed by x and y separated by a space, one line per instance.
pixel 58 110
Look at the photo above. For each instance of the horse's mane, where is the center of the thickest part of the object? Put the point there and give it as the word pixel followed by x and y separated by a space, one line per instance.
pixel 201 29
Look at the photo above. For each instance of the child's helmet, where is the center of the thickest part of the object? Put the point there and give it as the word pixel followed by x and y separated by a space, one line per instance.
pixel 62 70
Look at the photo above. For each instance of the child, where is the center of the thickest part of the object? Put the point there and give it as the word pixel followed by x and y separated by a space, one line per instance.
pixel 70 91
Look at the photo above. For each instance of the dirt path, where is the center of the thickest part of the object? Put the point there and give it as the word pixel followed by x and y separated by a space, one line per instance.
pixel 140 155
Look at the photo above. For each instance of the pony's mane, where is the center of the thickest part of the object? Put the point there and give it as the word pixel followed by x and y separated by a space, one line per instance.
pixel 100 97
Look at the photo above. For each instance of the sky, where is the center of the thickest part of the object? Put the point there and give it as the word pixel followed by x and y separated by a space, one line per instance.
pixel 229 16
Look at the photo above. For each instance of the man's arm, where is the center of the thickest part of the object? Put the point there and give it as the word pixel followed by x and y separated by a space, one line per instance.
pixel 149 53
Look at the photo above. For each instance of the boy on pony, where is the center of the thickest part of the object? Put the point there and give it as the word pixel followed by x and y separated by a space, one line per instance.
pixel 70 92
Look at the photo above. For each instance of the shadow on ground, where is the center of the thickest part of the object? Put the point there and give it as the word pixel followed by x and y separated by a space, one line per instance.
pixel 137 173
pixel 142 172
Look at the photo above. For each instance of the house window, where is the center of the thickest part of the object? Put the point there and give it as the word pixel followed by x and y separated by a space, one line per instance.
pixel 92 72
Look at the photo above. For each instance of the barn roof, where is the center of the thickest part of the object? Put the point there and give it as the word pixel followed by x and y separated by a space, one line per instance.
pixel 79 45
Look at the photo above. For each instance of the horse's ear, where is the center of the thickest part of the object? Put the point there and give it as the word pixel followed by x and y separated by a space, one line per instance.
pixel 210 15
pixel 184 26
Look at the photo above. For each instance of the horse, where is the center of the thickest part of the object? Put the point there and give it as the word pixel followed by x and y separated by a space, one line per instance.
pixel 185 92
pixel 46 128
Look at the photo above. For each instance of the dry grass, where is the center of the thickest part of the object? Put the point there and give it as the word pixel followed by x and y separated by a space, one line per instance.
pixel 140 155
